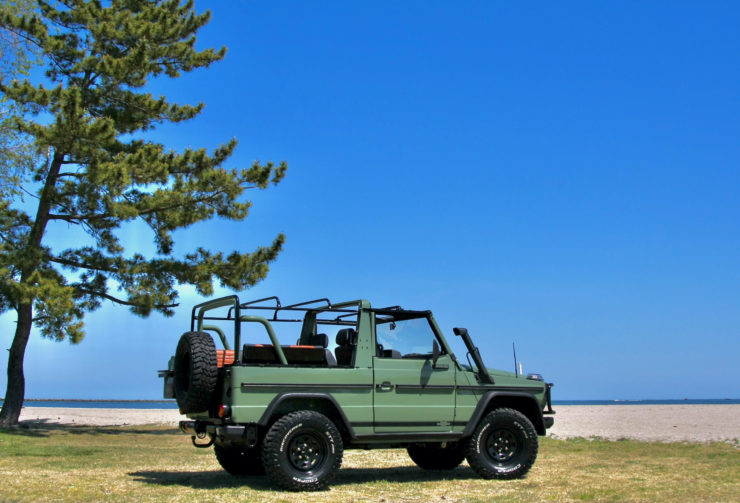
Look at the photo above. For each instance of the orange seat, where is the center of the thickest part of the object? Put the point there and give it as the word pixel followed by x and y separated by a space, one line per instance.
pixel 224 357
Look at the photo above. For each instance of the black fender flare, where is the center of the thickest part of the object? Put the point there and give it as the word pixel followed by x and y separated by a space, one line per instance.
pixel 324 397
pixel 482 407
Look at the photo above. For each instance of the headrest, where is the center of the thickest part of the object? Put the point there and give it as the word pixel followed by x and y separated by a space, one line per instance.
pixel 347 337
pixel 318 340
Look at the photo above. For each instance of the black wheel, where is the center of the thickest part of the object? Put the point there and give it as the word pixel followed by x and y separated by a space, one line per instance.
pixel 239 460
pixel 302 451
pixel 437 456
pixel 196 368
pixel 503 446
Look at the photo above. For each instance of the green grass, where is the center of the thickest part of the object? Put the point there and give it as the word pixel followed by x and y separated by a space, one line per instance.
pixel 153 464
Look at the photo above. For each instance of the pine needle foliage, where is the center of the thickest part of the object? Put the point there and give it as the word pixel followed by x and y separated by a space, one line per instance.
pixel 99 171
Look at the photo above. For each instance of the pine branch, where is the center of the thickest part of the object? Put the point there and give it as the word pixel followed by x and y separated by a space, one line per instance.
pixel 80 265
pixel 29 193
pixel 97 216
pixel 120 301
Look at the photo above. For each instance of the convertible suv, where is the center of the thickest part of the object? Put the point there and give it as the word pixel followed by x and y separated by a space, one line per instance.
pixel 388 380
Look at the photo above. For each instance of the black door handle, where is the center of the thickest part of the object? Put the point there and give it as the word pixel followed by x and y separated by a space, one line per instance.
pixel 384 386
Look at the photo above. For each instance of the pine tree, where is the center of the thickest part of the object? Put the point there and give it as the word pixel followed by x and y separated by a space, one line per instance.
pixel 100 172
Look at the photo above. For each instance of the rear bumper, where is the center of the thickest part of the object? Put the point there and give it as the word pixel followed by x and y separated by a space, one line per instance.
pixel 193 427
pixel 223 432
pixel 226 431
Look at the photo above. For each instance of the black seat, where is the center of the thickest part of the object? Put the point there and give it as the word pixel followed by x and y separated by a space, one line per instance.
pixel 264 354
pixel 321 340
pixel 346 343
pixel 315 340
pixel 391 353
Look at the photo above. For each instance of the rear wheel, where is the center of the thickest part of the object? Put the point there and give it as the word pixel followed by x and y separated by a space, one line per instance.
pixel 239 460
pixel 503 446
pixel 302 451
pixel 437 456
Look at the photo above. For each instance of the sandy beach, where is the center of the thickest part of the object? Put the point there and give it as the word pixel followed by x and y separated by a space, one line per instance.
pixel 99 417
pixel 663 423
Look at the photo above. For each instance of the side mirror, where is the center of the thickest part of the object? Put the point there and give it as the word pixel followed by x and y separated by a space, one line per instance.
pixel 435 353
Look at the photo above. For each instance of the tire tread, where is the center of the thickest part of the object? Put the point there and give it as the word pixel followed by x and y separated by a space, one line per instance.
pixel 271 450
pixel 478 462
pixel 203 372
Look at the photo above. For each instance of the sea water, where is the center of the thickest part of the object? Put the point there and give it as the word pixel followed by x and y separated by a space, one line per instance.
pixel 171 404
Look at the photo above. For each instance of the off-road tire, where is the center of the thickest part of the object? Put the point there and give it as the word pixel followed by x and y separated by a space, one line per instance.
pixel 437 457
pixel 503 445
pixel 196 370
pixel 239 460
pixel 302 451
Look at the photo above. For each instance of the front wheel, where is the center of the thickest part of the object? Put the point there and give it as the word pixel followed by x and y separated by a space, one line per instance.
pixel 239 460
pixel 503 446
pixel 302 451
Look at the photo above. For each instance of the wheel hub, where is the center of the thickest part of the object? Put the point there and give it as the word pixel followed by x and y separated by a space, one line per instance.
pixel 502 445
pixel 306 452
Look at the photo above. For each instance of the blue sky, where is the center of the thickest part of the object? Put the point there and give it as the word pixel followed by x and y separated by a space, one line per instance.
pixel 564 176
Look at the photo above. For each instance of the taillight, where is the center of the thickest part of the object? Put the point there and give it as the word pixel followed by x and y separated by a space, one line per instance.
pixel 224 411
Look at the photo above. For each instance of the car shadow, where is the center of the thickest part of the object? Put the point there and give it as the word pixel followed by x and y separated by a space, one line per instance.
pixel 346 476
pixel 200 480
pixel 400 474
pixel 42 428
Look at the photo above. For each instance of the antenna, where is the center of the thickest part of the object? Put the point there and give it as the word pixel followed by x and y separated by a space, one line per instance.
pixel 513 346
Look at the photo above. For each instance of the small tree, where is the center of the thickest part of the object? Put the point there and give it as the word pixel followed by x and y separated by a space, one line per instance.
pixel 17 55
pixel 99 174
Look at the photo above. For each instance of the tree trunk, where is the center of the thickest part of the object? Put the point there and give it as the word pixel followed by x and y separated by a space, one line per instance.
pixel 16 380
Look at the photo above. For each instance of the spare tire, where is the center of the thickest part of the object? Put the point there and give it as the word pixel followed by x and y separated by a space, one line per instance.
pixel 196 370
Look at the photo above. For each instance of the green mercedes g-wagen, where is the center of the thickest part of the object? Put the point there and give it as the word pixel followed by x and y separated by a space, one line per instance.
pixel 389 380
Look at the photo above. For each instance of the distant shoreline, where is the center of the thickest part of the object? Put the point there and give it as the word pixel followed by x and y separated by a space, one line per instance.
pixel 104 400
pixel 665 401
pixel 68 402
